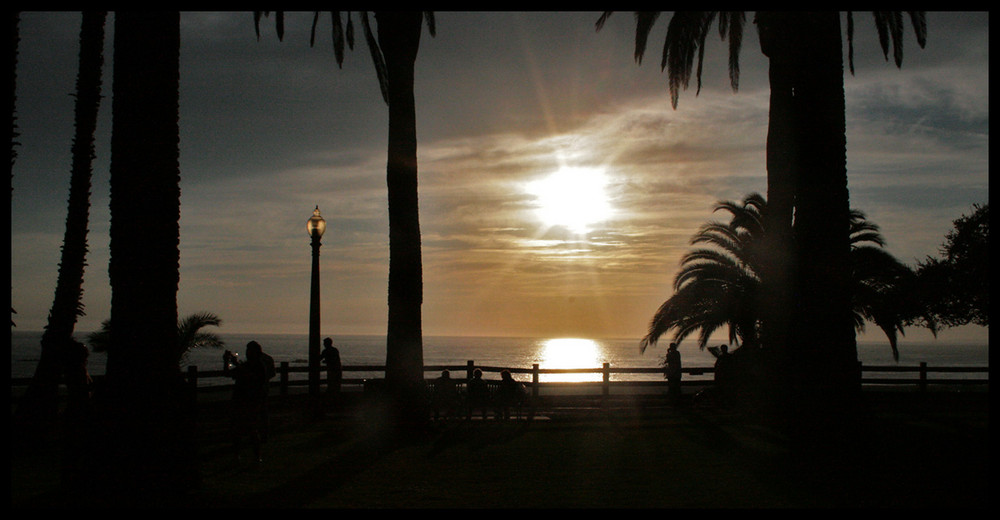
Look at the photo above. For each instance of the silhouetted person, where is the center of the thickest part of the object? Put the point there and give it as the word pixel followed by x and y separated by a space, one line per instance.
pixel 477 393
pixel 673 366
pixel 724 384
pixel 445 396
pixel 254 349
pixel 334 370
pixel 510 393
pixel 250 382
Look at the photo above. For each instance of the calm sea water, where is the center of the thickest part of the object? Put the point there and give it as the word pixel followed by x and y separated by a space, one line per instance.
pixel 556 353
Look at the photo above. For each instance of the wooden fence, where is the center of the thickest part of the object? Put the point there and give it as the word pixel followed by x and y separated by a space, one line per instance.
pixel 920 376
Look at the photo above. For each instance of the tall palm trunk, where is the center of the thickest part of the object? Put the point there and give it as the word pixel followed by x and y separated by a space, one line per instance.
pixel 151 449
pixel 15 39
pixel 399 39
pixel 778 267
pixel 40 401
pixel 145 200
pixel 824 329
pixel 807 171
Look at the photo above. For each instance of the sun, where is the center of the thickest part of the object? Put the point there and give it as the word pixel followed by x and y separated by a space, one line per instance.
pixel 571 353
pixel 572 197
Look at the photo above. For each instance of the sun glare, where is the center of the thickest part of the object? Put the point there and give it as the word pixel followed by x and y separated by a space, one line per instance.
pixel 571 353
pixel 574 198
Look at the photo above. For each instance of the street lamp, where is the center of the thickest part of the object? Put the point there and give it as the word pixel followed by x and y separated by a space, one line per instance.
pixel 315 226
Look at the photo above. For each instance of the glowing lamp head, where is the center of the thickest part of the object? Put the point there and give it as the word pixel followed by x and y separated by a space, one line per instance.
pixel 315 226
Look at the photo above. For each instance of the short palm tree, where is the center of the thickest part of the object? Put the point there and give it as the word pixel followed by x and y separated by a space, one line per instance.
pixel 719 286
pixel 715 286
pixel 884 287
pixel 189 335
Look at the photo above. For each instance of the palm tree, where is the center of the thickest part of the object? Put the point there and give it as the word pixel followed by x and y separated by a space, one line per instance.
pixel 806 171
pixel 40 400
pixel 394 53
pixel 885 290
pixel 189 335
pixel 151 446
pixel 15 39
pixel 718 286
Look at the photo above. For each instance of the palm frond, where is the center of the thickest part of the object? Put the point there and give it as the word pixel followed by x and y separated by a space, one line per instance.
pixel 850 41
pixel 312 32
pixel 919 21
pixel 644 21
pixel 735 20
pixel 601 21
pixel 349 32
pixel 100 340
pixel 377 58
pixel 337 33
pixel 889 25
pixel 684 33
pixel 279 22
pixel 429 18
pixel 190 336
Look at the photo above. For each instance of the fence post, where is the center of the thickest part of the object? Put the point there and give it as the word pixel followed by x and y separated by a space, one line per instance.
pixel 923 376
pixel 470 367
pixel 193 377
pixel 284 378
pixel 607 379
pixel 534 379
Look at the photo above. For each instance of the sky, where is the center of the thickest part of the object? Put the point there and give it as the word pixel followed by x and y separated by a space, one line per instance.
pixel 509 105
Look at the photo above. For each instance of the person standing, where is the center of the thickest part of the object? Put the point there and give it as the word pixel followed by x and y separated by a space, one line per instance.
pixel 724 376
pixel 249 415
pixel 334 370
pixel 673 366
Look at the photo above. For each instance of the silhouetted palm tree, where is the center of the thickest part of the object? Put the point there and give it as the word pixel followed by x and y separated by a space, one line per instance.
pixel 806 171
pixel 394 53
pixel 718 286
pixel 40 400
pixel 15 39
pixel 189 335
pixel 885 290
pixel 151 445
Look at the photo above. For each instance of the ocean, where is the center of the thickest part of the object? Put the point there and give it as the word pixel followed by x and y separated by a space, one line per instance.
pixel 555 353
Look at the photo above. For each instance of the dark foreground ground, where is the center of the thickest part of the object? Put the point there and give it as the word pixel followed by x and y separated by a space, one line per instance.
pixel 914 451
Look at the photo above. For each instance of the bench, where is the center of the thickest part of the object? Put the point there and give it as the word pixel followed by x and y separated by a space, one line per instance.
pixel 457 401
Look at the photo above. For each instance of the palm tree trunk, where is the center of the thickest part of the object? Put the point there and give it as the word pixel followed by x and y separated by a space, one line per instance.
pixel 825 330
pixel 399 39
pixel 40 400
pixel 807 184
pixel 15 39
pixel 779 267
pixel 152 449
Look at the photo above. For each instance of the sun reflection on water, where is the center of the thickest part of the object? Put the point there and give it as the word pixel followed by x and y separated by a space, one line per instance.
pixel 562 353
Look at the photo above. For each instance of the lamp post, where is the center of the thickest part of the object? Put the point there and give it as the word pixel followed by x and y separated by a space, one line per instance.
pixel 315 226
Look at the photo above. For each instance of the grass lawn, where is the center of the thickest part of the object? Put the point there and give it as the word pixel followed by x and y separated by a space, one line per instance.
pixel 914 451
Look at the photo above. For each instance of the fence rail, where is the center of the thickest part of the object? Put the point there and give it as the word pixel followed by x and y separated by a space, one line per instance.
pixel 922 376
